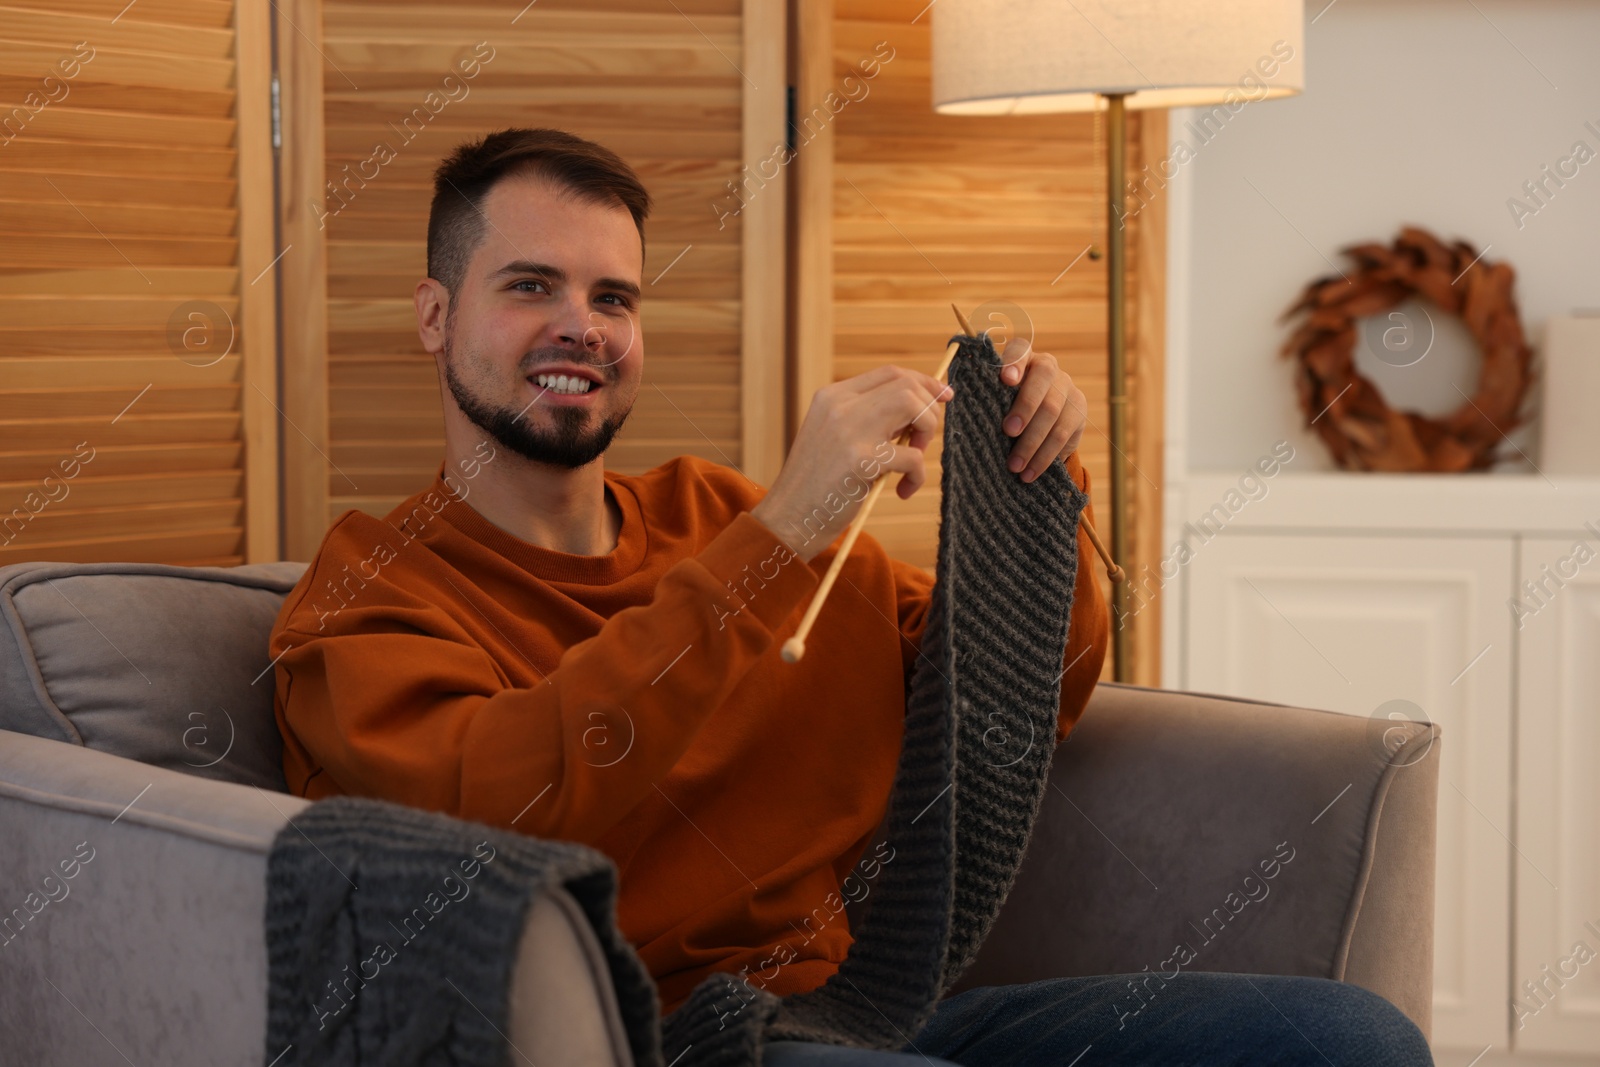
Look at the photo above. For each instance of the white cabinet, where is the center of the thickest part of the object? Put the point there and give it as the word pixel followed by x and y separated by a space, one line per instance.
pixel 1346 592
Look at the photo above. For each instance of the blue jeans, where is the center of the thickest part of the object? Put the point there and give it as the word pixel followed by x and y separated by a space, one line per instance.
pixel 1198 1019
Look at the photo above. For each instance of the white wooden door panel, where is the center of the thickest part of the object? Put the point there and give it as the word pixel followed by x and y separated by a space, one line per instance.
pixel 1556 979
pixel 1350 623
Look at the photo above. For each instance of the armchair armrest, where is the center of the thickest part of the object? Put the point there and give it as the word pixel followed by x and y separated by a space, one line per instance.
pixel 154 943
pixel 1266 839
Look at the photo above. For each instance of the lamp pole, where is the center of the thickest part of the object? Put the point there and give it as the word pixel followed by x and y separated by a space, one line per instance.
pixel 1117 340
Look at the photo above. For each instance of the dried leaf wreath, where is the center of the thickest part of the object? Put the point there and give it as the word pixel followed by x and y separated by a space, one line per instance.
pixel 1349 412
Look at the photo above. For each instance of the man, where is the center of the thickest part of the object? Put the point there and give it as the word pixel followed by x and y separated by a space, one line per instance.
pixel 538 643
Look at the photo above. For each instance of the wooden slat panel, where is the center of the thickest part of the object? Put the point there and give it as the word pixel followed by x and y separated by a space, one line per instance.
pixel 217 547
pixel 124 219
pixel 303 279
pixel 88 491
pixel 60 404
pixel 127 461
pixel 168 281
pixel 62 30
pixel 393 205
pixel 116 66
pixel 148 315
pixel 132 374
pixel 74 250
pixel 763 226
pixel 36 149
pixel 79 123
pixel 659 84
pixel 686 343
pixel 120 213
pixel 66 524
pixel 412 9
pixel 203 14
pixel 649 25
pixel 356 373
pixel 64 435
pixel 100 96
pixel 1147 426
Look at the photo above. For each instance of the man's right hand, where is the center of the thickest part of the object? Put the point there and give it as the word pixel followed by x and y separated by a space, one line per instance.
pixel 847 441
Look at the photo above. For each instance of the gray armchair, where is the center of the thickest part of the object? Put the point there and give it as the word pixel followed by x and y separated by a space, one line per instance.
pixel 138 752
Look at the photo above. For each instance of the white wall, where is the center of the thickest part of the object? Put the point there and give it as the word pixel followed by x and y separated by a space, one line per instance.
pixel 1428 112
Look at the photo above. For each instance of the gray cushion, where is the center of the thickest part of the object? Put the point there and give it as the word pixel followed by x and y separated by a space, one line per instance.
pixel 163 664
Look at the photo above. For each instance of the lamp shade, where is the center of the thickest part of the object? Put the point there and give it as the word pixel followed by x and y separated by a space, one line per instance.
pixel 1016 57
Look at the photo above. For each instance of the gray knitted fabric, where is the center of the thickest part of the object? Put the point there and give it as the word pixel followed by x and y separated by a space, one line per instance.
pixel 979 733
pixel 391 933
pixel 980 730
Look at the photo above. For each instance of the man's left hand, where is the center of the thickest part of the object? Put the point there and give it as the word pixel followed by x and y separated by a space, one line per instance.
pixel 1049 413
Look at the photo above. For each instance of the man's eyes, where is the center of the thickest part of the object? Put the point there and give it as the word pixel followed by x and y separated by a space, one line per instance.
pixel 614 299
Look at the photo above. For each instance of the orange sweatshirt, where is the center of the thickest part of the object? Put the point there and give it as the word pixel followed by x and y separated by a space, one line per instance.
pixel 635 702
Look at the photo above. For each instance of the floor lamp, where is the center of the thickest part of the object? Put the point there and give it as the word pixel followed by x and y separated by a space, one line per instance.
pixel 1021 57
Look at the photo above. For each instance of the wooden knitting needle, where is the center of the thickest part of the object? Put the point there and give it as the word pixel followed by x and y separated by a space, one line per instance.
pixel 1115 572
pixel 795 647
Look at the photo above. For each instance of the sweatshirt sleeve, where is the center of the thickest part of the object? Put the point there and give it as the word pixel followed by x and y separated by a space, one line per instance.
pixel 403 705
pixel 1088 630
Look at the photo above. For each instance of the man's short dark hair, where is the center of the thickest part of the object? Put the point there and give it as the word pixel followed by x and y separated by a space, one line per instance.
pixel 456 222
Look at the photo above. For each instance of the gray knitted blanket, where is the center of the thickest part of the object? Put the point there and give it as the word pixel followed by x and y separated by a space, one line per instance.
pixel 391 933
pixel 980 731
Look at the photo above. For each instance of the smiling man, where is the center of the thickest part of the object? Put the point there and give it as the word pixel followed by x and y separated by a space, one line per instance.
pixel 537 642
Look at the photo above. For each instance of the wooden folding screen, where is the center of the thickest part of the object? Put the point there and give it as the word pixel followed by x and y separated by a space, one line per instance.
pixel 136 419
pixel 900 211
pixel 687 92
pixel 139 271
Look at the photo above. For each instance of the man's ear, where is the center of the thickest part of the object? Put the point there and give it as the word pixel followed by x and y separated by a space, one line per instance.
pixel 431 299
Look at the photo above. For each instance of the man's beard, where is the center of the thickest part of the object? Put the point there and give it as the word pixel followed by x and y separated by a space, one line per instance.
pixel 564 445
